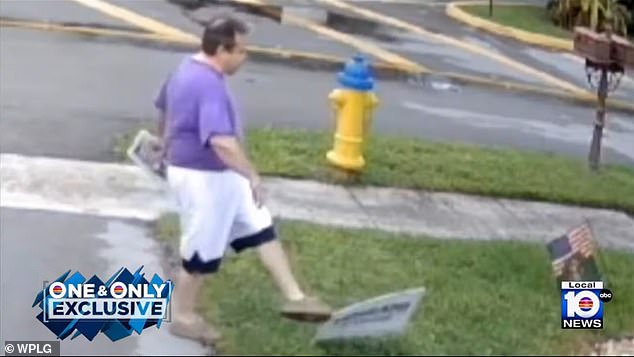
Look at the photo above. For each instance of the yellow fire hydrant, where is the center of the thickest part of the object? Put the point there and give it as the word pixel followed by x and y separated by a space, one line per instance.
pixel 353 103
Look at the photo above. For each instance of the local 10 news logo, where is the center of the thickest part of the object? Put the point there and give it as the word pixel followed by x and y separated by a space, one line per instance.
pixel 582 304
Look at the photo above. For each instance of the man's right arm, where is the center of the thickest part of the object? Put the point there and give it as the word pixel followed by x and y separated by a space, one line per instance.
pixel 218 131
pixel 231 153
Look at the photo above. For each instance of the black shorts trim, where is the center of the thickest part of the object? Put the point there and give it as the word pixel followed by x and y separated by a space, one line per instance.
pixel 255 240
pixel 196 265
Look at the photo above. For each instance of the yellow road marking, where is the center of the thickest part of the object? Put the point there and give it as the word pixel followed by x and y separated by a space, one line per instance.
pixel 131 17
pixel 96 31
pixel 44 26
pixel 456 11
pixel 455 42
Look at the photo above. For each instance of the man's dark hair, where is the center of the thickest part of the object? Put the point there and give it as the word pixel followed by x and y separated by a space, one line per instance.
pixel 221 30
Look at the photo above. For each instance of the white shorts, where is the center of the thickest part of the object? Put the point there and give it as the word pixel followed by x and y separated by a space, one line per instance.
pixel 217 212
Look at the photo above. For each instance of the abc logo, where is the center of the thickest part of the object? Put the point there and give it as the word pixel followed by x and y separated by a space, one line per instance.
pixel 605 295
pixel 586 303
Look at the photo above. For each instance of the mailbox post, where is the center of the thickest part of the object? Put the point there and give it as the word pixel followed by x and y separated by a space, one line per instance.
pixel 606 56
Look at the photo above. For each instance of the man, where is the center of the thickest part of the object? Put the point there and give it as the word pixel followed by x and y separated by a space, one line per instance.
pixel 218 189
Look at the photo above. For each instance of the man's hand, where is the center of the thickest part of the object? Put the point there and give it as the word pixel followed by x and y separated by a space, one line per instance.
pixel 256 189
pixel 156 155
pixel 160 148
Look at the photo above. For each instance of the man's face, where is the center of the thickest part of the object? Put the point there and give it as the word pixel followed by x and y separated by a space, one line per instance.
pixel 232 60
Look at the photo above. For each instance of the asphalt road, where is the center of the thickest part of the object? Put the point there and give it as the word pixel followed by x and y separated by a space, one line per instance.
pixel 266 32
pixel 565 66
pixel 58 11
pixel 431 53
pixel 75 102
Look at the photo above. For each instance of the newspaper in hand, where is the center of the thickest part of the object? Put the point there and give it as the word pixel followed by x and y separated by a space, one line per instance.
pixel 146 151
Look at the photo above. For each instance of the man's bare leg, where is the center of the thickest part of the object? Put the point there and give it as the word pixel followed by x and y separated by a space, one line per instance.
pixel 298 305
pixel 276 262
pixel 186 292
pixel 186 322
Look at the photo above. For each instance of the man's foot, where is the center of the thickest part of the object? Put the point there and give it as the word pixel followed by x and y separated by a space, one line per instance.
pixel 195 329
pixel 308 309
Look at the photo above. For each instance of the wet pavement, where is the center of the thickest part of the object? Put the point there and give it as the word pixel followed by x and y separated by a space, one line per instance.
pixel 38 246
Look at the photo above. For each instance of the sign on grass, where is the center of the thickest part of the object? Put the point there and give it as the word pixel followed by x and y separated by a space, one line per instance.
pixel 385 315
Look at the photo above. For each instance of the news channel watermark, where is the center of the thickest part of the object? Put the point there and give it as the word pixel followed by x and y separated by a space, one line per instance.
pixel 125 303
pixel 31 348
pixel 582 304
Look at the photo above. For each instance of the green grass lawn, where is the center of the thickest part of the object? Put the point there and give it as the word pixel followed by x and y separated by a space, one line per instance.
pixel 524 17
pixel 419 164
pixel 484 298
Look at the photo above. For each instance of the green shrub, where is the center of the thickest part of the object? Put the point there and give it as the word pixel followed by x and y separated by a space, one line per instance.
pixel 592 13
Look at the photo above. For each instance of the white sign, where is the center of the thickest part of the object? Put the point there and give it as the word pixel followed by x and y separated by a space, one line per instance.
pixel 381 316
pixel 145 152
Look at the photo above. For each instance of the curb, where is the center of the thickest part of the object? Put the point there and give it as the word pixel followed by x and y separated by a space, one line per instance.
pixel 454 11
pixel 387 71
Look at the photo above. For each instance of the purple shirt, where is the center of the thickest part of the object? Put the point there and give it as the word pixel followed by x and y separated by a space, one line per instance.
pixel 197 105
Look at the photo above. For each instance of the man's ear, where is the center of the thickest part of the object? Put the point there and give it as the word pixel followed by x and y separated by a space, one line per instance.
pixel 221 48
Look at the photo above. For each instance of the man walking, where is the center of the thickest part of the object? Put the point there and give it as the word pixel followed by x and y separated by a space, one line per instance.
pixel 218 189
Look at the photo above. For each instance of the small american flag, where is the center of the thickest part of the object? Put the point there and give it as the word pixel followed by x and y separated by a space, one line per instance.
pixel 560 264
pixel 577 242
pixel 560 252
pixel 581 240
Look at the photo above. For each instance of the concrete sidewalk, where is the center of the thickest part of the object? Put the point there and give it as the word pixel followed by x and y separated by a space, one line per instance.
pixel 125 191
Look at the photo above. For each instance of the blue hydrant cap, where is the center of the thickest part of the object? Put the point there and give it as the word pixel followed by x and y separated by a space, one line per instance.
pixel 357 74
